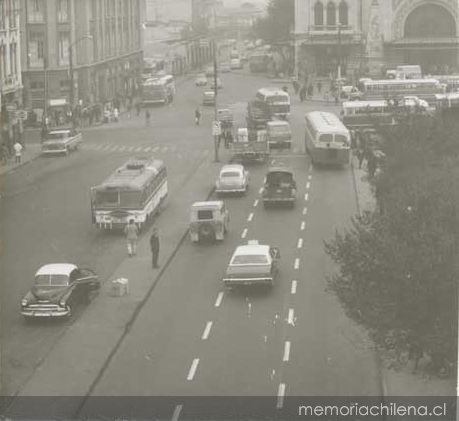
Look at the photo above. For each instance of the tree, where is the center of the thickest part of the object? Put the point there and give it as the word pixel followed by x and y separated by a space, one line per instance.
pixel 278 23
pixel 398 269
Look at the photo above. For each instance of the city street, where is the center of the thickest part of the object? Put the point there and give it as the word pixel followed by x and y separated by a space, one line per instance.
pixel 191 337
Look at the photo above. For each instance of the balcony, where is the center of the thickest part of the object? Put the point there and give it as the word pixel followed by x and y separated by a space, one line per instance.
pixel 9 84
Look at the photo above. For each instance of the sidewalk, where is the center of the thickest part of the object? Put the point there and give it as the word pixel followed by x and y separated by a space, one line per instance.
pixel 90 342
pixel 401 382
pixel 31 152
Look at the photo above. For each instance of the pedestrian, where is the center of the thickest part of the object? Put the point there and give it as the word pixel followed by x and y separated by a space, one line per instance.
pixel 154 245
pixel 18 152
pixel 302 93
pixel 147 117
pixel 319 86
pixel 5 153
pixel 310 90
pixel 296 86
pixel 116 114
pixel 197 116
pixel 137 107
pixel 371 164
pixel 129 108
pixel 360 157
pixel 132 233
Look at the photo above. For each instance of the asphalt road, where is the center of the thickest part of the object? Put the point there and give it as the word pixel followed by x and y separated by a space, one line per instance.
pixel 192 338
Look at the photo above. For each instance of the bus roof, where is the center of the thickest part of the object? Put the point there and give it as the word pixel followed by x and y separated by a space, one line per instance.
pixel 324 121
pixel 406 101
pixel 398 81
pixel 133 175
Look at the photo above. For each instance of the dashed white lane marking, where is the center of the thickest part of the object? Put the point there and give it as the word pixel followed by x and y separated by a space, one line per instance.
pixel 300 243
pixel 293 289
pixel 296 265
pixel 131 148
pixel 122 148
pixel 291 316
pixel 249 219
pixel 156 149
pixel 303 226
pixel 280 396
pixel 255 204
pixel 309 177
pixel 261 190
pixel 193 369
pixel 286 351
pixel 305 211
pixel 176 414
pixel 244 233
pixel 138 149
pixel 310 170
pixel 308 185
pixel 147 149
pixel 206 332
pixel 306 197
pixel 219 299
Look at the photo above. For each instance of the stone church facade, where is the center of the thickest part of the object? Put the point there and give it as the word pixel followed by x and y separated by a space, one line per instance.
pixel 368 36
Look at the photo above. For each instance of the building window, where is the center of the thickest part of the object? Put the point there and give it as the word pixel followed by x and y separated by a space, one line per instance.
pixel 36 49
pixel 343 13
pixel 13 63
pixel 13 11
pixel 2 14
pixel 62 10
pixel 2 62
pixel 36 10
pixel 318 14
pixel 63 49
pixel 331 14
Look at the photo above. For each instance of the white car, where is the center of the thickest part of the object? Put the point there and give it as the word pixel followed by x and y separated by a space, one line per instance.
pixel 61 141
pixel 253 264
pixel 201 80
pixel 232 179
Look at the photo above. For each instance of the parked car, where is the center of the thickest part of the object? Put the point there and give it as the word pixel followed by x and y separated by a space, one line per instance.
pixel 236 63
pixel 208 98
pixel 279 187
pixel 57 289
pixel 201 80
pixel 253 264
pixel 225 68
pixel 61 141
pixel 208 221
pixel 232 179
pixel 219 83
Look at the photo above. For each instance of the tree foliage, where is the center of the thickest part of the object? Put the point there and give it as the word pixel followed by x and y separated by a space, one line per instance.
pixel 276 26
pixel 398 268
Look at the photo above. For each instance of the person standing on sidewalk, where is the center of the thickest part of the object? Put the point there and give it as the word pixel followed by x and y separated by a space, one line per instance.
pixel 154 245
pixel 18 151
pixel 197 116
pixel 132 233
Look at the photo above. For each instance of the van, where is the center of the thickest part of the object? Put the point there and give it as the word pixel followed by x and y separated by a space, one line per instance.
pixel 279 134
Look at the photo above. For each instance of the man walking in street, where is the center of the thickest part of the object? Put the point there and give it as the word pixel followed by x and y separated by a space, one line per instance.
pixel 154 245
pixel 18 151
pixel 132 233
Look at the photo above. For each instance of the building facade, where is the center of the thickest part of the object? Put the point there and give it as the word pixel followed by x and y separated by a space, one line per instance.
pixel 10 69
pixel 168 10
pixel 99 41
pixel 367 36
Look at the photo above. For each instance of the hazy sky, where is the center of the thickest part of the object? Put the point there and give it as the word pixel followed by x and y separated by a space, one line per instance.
pixel 232 3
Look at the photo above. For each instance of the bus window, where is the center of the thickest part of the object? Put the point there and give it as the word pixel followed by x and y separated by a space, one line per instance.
pixel 327 137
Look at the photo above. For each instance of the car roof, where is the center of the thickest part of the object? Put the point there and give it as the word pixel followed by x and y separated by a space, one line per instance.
pixel 232 167
pixel 60 131
pixel 280 169
pixel 210 204
pixel 209 93
pixel 278 123
pixel 56 269
pixel 249 249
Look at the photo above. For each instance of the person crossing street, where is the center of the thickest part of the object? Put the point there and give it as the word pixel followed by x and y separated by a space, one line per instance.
pixel 132 233
pixel 154 245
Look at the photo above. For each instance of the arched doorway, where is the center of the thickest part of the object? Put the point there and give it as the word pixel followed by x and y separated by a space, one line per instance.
pixel 436 25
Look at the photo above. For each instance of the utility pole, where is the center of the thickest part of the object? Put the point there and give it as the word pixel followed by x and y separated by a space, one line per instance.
pixel 216 137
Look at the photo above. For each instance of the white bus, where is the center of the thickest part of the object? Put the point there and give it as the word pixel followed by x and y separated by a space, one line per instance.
pixel 389 89
pixel 409 71
pixel 277 101
pixel 367 114
pixel 135 191
pixel 158 90
pixel 451 82
pixel 327 140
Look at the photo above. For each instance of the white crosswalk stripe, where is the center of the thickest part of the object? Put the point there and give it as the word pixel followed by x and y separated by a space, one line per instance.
pixel 131 148
pixel 138 149
pixel 122 148
pixel 147 149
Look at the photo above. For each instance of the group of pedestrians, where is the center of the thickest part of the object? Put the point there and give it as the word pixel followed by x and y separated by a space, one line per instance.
pixel 365 152
pixel 132 234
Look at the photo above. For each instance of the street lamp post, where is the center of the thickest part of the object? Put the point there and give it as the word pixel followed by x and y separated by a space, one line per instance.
pixel 71 71
pixel 216 137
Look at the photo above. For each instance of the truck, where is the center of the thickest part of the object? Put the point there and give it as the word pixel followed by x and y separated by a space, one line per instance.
pixel 250 145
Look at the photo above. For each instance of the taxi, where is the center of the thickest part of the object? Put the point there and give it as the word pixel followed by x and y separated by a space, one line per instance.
pixel 61 141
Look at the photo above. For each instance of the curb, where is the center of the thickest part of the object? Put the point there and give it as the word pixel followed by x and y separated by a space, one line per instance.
pixel 12 169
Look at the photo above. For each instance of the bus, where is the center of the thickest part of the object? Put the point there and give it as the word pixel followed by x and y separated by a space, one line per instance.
pixel 258 62
pixel 135 191
pixel 367 114
pixel 388 89
pixel 157 91
pixel 327 140
pixel 409 71
pixel 276 100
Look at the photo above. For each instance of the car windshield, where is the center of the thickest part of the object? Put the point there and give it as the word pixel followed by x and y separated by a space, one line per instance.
pixel 230 174
pixel 279 178
pixel 52 280
pixel 279 129
pixel 326 138
pixel 250 259
pixel 340 138
pixel 57 136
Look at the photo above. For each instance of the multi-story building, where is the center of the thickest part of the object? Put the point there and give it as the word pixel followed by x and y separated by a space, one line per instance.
pixel 10 68
pixel 368 35
pixel 203 14
pixel 98 42
pixel 168 10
